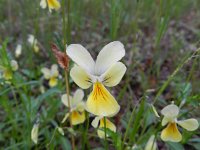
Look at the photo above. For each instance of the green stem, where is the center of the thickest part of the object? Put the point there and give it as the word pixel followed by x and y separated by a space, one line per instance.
pixel 173 74
pixel 127 129
pixel 69 107
pixel 85 131
pixel 64 22
pixel 68 23
pixel 105 130
pixel 66 71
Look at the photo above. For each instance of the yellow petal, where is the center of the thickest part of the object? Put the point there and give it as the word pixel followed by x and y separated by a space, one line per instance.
pixel 77 117
pixel 53 82
pixel 101 102
pixel 80 77
pixel 114 74
pixel 53 4
pixel 36 48
pixel 189 124
pixel 171 133
pixel 109 125
pixel 7 74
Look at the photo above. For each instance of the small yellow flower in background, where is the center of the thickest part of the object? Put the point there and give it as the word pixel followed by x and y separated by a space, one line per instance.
pixel 151 144
pixel 171 132
pixel 51 75
pixel 106 70
pixel 100 131
pixel 7 73
pixel 52 4
pixel 77 107
pixel 34 133
pixel 33 42
pixel 18 51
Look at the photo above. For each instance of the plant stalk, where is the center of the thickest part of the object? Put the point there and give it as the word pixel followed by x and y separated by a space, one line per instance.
pixel 66 71
pixel 105 131
pixel 69 107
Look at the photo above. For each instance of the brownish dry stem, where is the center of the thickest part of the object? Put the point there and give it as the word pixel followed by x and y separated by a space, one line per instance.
pixel 69 106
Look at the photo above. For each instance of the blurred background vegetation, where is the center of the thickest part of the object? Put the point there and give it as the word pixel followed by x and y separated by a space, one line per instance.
pixel 159 36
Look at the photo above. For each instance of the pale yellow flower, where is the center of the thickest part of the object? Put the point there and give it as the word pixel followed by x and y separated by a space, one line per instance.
pixel 151 144
pixel 77 107
pixel 7 72
pixel 34 43
pixel 34 133
pixel 52 4
pixel 106 70
pixel 51 75
pixel 171 132
pixel 18 50
pixel 100 130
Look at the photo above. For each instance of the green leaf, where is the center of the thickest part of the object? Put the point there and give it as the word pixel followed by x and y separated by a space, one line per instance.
pixel 175 146
pixel 137 120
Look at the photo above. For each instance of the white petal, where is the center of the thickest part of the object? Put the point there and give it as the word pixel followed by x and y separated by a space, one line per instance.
pixel 64 99
pixel 80 107
pixel 170 111
pixel 14 65
pixel 34 133
pixel 189 124
pixel 151 144
pixel 32 40
pixel 109 55
pixel 43 4
pixel 46 72
pixel 54 70
pixel 18 50
pixel 80 77
pixel 95 122
pixel 165 120
pixel 81 57
pixel 78 97
pixel 114 74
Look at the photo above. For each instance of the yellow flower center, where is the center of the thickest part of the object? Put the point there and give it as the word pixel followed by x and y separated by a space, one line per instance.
pixel 171 133
pixel 53 4
pixel 77 117
pixel 101 102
